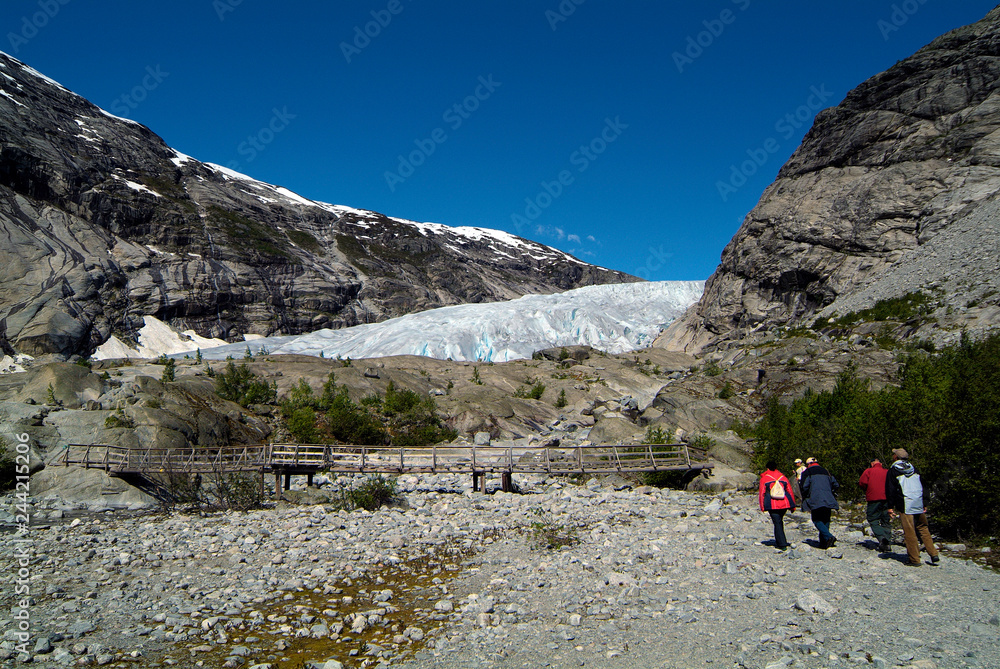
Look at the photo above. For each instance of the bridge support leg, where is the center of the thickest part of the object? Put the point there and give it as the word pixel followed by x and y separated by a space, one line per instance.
pixel 506 483
pixel 277 485
pixel 476 478
pixel 309 480
pixel 262 484
pixel 288 481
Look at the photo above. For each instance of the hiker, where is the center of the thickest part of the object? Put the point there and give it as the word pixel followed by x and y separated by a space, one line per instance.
pixel 776 497
pixel 872 481
pixel 819 488
pixel 904 492
pixel 799 468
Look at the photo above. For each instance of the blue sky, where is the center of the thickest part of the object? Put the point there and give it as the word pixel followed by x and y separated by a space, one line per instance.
pixel 603 129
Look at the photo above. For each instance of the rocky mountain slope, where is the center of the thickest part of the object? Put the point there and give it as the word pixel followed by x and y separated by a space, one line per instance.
pixel 893 191
pixel 102 223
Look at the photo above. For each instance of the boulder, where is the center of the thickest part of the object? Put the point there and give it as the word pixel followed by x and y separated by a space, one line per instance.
pixel 722 478
pixel 72 385
pixel 91 489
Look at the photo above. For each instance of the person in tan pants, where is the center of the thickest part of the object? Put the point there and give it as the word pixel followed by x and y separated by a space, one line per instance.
pixel 905 494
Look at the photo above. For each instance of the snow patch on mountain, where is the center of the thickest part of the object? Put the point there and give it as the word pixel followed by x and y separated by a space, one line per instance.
pixel 156 338
pixel 613 318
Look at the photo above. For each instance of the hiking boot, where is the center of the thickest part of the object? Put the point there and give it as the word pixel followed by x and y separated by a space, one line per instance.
pixel 832 542
pixel 935 559
pixel 883 545
pixel 823 544
pixel 912 564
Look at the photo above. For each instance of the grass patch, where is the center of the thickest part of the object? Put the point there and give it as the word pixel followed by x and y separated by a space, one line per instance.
pixel 305 241
pixel 546 534
pixel 909 306
pixel 249 234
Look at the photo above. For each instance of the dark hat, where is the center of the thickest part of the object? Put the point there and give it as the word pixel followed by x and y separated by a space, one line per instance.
pixel 900 454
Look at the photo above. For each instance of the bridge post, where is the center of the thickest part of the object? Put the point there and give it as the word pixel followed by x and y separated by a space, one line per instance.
pixel 309 479
pixel 288 481
pixel 277 485
pixel 506 482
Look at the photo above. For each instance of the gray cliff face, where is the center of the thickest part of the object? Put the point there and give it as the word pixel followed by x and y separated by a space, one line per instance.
pixel 906 160
pixel 102 223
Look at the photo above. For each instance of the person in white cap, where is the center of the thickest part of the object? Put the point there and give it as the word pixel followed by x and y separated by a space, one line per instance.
pixel 905 494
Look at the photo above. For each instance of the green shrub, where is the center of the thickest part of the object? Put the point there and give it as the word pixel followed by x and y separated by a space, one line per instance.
pixel 534 392
pixel 169 370
pixel 546 534
pixel 727 391
pixel 561 400
pixel 401 418
pixel 911 305
pixel 118 419
pixel 712 369
pixel 374 493
pixel 239 491
pixel 302 424
pixel 240 385
pixel 656 435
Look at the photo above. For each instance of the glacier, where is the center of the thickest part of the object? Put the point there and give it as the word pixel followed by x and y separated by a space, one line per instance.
pixel 613 318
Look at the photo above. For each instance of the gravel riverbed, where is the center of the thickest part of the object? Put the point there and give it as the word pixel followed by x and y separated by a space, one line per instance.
pixel 646 578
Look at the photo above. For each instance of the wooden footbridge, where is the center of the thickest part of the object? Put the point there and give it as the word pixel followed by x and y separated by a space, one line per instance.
pixel 309 459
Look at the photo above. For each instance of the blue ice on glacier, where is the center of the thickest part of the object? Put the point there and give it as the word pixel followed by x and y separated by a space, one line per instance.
pixel 614 318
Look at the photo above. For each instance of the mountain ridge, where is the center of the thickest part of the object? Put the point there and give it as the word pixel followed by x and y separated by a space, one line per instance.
pixel 106 224
pixel 905 156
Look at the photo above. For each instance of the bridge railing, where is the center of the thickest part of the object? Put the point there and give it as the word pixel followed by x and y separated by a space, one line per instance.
pixel 389 459
pixel 120 459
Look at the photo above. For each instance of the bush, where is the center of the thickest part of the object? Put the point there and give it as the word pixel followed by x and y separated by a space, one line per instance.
pixel 911 305
pixel 239 491
pixel 374 493
pixel 118 419
pixel 534 392
pixel 169 370
pixel 302 424
pixel 727 391
pixel 240 385
pixel 561 400
pixel 401 418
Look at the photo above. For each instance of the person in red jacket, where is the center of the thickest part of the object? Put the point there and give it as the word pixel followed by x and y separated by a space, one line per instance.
pixel 873 483
pixel 776 498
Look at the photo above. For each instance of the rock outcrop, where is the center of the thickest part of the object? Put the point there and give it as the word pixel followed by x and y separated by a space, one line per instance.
pixel 892 191
pixel 102 223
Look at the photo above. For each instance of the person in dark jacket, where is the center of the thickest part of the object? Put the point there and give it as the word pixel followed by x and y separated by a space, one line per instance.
pixel 776 497
pixel 872 481
pixel 819 488
pixel 905 493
